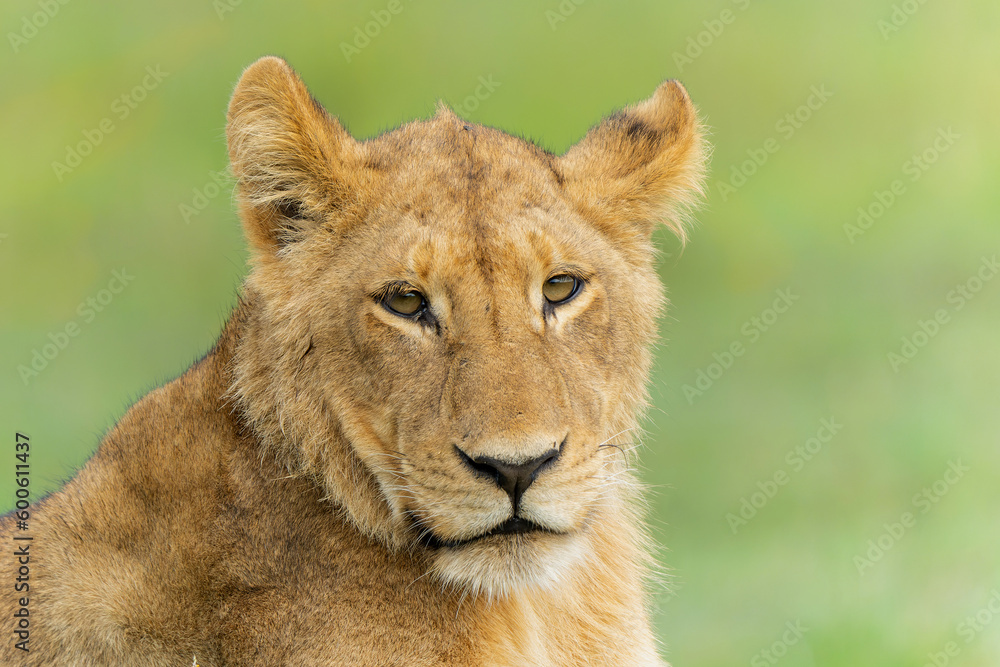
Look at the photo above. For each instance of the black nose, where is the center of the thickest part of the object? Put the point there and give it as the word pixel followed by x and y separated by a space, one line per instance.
pixel 514 478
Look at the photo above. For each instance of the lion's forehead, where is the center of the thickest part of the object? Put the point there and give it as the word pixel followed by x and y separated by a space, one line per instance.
pixel 457 248
pixel 445 160
pixel 458 199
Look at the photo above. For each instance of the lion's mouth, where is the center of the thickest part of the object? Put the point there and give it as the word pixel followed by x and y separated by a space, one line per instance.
pixel 512 526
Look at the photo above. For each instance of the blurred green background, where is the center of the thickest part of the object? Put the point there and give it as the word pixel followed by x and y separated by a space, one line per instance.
pixel 886 82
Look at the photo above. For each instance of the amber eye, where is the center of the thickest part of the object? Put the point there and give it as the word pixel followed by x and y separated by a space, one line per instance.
pixel 560 289
pixel 407 304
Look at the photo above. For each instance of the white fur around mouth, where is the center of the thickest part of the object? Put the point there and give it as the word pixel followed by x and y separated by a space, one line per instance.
pixel 498 568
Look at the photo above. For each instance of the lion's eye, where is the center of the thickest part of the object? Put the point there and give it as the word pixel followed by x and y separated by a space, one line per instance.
pixel 560 289
pixel 406 304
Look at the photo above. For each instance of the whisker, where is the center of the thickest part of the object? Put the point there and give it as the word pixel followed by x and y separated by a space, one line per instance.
pixel 416 580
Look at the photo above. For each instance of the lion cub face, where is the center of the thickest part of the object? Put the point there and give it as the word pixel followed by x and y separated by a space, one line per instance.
pixel 453 324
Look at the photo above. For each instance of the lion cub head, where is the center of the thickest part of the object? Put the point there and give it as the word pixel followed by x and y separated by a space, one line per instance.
pixel 450 325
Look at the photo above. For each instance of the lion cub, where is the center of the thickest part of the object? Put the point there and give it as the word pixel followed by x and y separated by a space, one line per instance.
pixel 408 445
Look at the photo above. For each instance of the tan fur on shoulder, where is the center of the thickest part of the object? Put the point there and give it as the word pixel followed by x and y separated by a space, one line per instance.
pixel 345 481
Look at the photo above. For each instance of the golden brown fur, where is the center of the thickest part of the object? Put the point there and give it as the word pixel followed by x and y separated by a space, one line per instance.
pixel 299 496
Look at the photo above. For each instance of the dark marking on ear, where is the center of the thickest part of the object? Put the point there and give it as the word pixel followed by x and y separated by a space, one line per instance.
pixel 637 130
pixel 290 209
pixel 288 223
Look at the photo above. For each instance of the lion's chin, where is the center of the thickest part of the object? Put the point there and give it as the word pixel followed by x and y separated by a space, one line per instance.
pixel 497 566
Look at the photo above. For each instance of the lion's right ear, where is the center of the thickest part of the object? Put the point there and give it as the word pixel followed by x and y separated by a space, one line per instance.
pixel 293 162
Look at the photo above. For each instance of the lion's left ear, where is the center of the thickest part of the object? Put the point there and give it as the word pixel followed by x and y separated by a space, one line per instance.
pixel 639 166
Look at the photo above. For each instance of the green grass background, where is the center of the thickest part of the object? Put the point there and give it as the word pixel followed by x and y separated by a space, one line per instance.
pixel 825 357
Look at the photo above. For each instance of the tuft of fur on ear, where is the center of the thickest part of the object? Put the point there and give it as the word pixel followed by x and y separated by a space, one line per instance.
pixel 641 165
pixel 293 162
